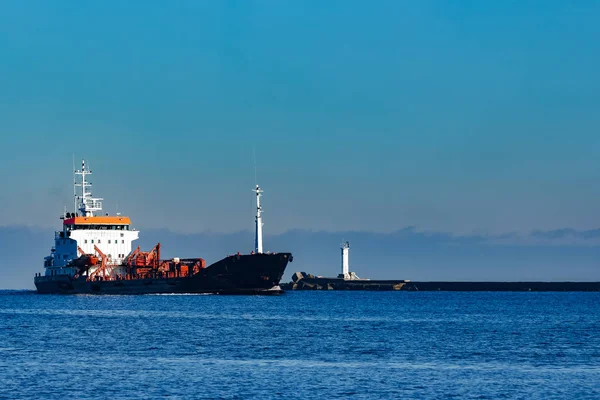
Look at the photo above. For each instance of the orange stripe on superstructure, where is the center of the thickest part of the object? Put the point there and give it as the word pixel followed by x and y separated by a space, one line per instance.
pixel 104 220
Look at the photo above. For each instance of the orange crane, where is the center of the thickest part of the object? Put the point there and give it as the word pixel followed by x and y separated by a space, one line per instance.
pixel 144 258
pixel 103 264
pixel 131 256
pixel 153 257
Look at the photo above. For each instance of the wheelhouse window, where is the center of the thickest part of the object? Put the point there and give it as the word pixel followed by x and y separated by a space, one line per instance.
pixel 97 227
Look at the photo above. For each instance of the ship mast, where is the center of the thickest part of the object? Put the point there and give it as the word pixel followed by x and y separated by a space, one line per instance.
pixel 87 204
pixel 258 242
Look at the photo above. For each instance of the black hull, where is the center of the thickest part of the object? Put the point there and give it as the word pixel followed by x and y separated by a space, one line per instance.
pixel 237 274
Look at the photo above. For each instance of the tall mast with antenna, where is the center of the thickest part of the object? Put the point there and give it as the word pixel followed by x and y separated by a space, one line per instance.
pixel 258 242
pixel 87 204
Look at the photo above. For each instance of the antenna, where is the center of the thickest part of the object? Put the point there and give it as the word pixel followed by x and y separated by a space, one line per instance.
pixel 74 186
pixel 88 204
pixel 258 238
pixel 254 155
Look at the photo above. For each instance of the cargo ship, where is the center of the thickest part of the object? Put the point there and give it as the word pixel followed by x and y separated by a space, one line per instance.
pixel 93 254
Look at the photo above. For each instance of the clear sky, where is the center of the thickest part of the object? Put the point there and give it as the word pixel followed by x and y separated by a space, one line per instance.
pixel 467 116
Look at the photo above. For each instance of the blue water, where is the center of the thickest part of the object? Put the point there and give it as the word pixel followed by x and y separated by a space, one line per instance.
pixel 301 345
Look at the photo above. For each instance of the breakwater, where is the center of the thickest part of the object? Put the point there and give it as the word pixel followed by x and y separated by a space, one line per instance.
pixel 450 286
pixel 305 281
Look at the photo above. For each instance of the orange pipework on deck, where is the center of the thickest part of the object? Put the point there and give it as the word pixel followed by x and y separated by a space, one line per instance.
pixel 105 220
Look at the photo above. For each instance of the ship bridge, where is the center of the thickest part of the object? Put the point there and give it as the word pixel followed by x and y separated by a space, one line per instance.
pixel 83 232
pixel 103 223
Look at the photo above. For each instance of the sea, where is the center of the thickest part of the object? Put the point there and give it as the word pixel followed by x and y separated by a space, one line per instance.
pixel 339 345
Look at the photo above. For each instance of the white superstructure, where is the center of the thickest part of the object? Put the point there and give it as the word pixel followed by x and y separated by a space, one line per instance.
pixel 85 233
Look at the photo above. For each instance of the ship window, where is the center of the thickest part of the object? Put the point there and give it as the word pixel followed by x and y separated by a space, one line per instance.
pixel 122 235
pixel 98 241
pixel 92 241
pixel 85 241
pixel 108 241
pixel 122 241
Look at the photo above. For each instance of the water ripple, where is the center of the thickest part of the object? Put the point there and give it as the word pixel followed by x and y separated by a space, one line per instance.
pixel 301 345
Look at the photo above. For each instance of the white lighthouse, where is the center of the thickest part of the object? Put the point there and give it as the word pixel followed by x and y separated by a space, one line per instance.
pixel 345 264
pixel 346 274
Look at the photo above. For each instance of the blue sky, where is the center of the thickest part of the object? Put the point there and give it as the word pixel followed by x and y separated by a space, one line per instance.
pixel 452 116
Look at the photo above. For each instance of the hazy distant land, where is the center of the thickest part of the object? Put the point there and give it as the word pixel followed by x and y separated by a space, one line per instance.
pixel 560 255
